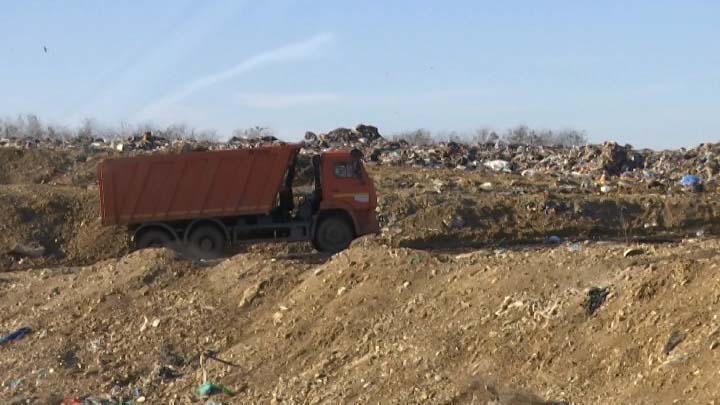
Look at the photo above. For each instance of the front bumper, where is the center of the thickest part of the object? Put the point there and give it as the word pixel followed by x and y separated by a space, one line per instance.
pixel 368 224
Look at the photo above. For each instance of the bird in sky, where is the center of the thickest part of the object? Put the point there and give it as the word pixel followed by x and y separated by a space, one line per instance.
pixel 45 49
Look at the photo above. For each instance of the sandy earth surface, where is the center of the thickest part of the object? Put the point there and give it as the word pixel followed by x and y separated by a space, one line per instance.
pixel 458 301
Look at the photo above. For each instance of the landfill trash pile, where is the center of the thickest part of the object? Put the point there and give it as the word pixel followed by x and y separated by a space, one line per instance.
pixel 603 164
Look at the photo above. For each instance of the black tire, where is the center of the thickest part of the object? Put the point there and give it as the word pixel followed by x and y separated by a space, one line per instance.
pixel 333 234
pixel 207 242
pixel 153 238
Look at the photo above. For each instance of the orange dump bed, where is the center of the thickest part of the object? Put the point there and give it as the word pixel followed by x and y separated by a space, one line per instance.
pixel 192 185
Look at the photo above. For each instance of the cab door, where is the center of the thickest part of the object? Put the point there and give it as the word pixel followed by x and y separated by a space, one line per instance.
pixel 345 181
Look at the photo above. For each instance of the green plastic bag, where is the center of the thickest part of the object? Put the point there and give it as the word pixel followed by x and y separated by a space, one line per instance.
pixel 209 389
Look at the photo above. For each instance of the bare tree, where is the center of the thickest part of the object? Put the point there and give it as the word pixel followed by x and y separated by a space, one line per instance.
pixel 522 135
pixel 571 137
pixel 519 135
pixel 417 137
pixel 87 128
pixel 34 127
pixel 253 132
pixel 209 135
pixel 9 129
pixel 177 132
pixel 485 135
pixel 59 132
pixel 30 126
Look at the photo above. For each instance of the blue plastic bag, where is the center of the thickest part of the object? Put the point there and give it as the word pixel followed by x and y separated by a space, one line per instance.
pixel 690 180
pixel 15 336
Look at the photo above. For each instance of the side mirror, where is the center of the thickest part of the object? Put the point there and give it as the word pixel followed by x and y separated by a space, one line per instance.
pixel 356 154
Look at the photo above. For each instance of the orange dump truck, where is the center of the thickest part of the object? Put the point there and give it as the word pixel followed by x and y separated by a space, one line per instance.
pixel 207 200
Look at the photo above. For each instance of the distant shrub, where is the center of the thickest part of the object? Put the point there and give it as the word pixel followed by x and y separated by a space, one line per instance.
pixel 29 126
pixel 522 135
pixel 253 132
pixel 419 137
pixel 485 135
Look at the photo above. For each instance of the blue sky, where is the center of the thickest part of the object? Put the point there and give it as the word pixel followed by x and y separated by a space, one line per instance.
pixel 641 72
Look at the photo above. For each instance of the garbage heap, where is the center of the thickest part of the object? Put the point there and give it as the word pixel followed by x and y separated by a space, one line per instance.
pixel 607 166
pixel 602 163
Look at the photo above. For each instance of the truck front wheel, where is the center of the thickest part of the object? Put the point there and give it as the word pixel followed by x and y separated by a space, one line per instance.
pixel 206 241
pixel 153 238
pixel 333 234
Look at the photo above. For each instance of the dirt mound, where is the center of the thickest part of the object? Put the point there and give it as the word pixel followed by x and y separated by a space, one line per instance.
pixel 371 324
pixel 64 220
pixel 44 166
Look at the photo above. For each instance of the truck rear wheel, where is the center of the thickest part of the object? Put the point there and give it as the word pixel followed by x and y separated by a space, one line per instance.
pixel 207 241
pixel 333 234
pixel 153 238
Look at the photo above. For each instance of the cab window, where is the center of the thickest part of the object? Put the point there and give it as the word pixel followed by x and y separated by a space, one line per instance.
pixel 347 170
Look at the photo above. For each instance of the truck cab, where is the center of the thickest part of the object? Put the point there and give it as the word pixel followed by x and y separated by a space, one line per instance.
pixel 339 206
pixel 347 200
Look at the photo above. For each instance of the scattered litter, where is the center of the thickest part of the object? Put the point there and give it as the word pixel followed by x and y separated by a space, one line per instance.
pixel 209 389
pixel 498 165
pixel 144 325
pixel 554 240
pixel 415 259
pixel 692 182
pixel 595 299
pixel 251 293
pixel 32 249
pixel 575 247
pixel 633 252
pixel 15 336
pixel 15 383
pixel 167 373
pixel 454 223
pixel 277 317
pixel 676 337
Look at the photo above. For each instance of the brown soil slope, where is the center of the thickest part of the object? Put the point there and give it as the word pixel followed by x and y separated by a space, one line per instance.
pixel 373 324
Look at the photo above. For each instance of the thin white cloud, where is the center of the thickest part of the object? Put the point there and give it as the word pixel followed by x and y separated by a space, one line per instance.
pixel 114 90
pixel 285 100
pixel 296 51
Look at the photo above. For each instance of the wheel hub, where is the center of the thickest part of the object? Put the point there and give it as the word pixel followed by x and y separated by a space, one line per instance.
pixel 334 234
pixel 206 244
